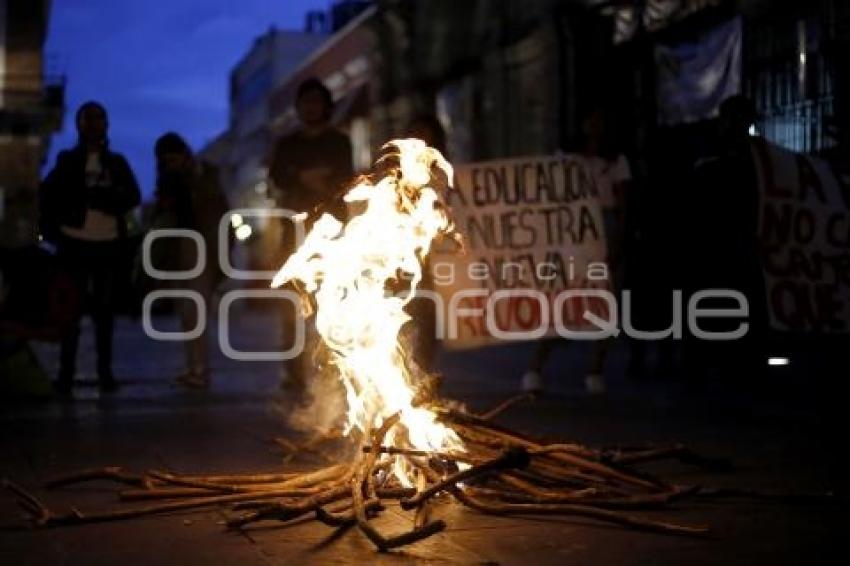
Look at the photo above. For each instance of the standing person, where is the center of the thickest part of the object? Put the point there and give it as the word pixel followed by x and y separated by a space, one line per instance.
pixel 189 196
pixel 83 202
pixel 307 168
pixel 611 174
pixel 724 213
pixel 428 128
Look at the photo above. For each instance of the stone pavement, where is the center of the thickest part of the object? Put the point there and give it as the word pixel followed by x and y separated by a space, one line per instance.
pixel 775 436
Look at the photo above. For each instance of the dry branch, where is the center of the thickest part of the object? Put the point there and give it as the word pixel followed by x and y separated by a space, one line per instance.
pixel 498 471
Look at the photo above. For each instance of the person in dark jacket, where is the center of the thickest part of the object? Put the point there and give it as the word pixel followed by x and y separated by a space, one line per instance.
pixel 307 169
pixel 724 217
pixel 189 196
pixel 83 203
pixel 309 166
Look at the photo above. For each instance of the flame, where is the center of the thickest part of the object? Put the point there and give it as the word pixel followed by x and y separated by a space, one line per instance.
pixel 348 270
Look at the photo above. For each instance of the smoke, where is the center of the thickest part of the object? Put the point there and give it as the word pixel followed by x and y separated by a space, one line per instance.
pixel 321 407
pixel 315 404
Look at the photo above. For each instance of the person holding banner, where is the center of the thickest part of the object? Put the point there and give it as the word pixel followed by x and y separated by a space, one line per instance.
pixel 611 174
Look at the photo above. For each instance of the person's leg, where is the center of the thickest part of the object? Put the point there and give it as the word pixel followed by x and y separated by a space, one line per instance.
pixel 294 369
pixel 103 280
pixel 423 328
pixel 68 356
pixel 532 380
pixel 191 316
pixel 71 263
pixel 541 354
pixel 196 349
pixel 637 359
pixel 666 366
pixel 104 327
pixel 594 381
pixel 197 370
pixel 296 366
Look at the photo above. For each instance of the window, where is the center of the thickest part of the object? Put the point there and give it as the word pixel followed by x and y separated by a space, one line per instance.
pixel 789 79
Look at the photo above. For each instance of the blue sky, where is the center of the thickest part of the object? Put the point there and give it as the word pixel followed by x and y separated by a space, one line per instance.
pixel 157 65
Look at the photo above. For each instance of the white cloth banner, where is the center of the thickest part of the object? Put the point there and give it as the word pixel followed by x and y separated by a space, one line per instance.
pixel 804 233
pixel 533 228
pixel 694 78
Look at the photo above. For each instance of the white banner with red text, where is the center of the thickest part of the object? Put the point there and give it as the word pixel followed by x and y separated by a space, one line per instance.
pixel 534 252
pixel 804 234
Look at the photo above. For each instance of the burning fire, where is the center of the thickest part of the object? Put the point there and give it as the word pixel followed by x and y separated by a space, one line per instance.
pixel 358 276
pixel 361 275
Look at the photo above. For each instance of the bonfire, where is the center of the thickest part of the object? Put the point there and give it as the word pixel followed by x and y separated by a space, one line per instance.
pixel 408 446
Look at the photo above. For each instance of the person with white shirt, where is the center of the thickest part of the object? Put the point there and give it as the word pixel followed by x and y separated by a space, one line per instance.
pixel 83 203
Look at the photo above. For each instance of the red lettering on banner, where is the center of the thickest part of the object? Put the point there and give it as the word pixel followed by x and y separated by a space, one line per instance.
pixel 815 306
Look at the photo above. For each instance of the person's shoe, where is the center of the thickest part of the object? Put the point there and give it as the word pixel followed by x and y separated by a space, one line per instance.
pixel 532 382
pixel 594 384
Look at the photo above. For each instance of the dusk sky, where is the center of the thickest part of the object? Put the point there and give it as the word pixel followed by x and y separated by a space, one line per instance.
pixel 157 65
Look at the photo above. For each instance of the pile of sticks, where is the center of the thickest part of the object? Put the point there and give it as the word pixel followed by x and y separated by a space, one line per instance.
pixel 500 472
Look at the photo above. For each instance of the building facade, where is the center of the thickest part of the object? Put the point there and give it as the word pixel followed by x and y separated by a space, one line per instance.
pixel 269 62
pixel 31 108
pixel 263 86
pixel 790 62
pixel 514 78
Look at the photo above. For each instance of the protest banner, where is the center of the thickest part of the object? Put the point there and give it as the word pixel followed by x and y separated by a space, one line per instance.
pixel 532 230
pixel 804 234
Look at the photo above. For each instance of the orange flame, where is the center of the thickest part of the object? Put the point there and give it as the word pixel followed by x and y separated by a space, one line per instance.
pixel 348 268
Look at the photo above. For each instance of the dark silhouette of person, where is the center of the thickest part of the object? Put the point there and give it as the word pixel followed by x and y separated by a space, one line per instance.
pixel 309 166
pixel 189 196
pixel 83 203
pixel 307 169
pixel 428 128
pixel 724 212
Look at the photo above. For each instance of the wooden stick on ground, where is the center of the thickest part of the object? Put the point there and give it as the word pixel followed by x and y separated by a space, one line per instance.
pixel 578 510
pixel 47 518
pixel 505 405
pixel 512 458
pixel 510 474
pixel 113 473
pixel 362 480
